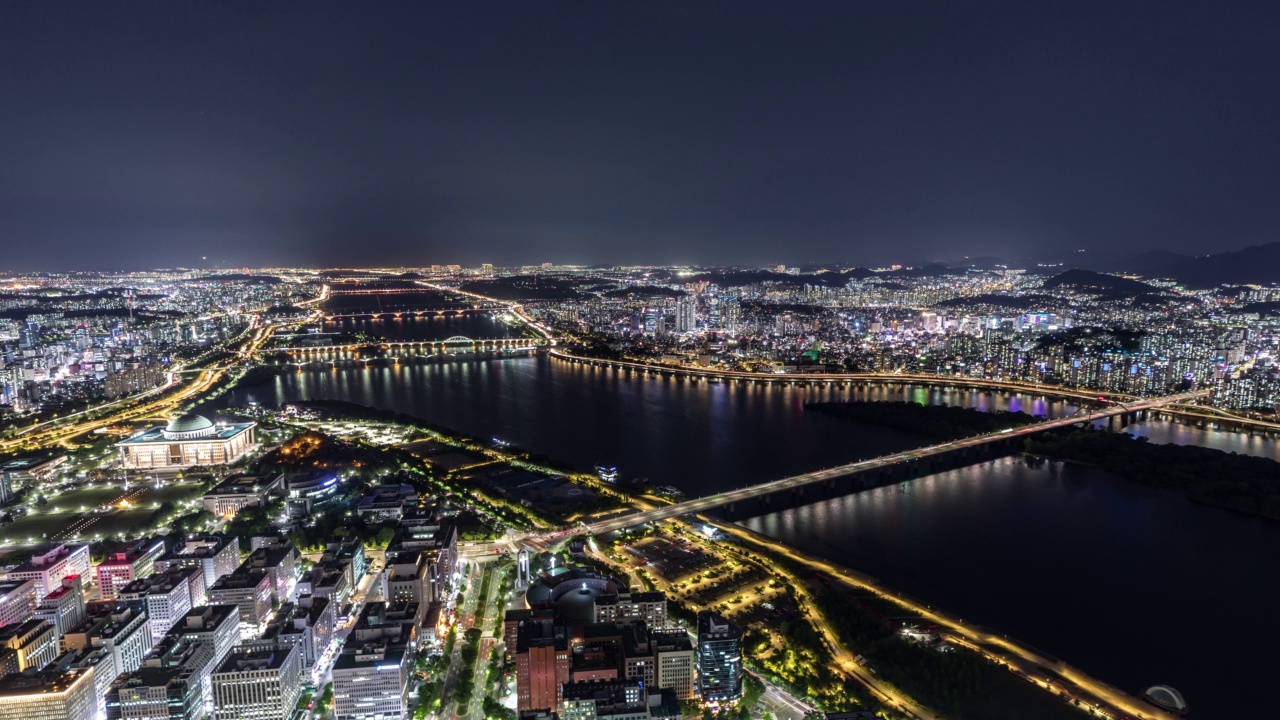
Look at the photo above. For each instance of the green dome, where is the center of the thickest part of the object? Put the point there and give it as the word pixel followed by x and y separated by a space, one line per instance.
pixel 188 423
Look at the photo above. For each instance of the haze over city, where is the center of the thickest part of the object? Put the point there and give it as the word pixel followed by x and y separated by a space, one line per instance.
pixel 325 134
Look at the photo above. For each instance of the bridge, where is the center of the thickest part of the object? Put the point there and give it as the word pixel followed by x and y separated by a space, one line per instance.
pixel 830 379
pixel 963 447
pixel 412 346
pixel 385 315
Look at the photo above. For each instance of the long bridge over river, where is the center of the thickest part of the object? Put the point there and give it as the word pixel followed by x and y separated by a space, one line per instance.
pixel 971 447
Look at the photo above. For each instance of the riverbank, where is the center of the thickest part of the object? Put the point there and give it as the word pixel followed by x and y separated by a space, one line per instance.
pixel 1243 483
pixel 947 422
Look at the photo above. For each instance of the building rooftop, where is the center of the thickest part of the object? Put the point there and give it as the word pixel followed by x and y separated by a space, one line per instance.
pixel 257 658
pixel 43 683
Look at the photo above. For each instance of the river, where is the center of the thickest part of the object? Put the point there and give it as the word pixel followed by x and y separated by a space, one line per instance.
pixel 1133 585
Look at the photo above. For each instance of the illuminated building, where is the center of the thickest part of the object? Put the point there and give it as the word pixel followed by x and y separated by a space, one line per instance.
pixel 605 700
pixel 17 600
pixel 135 561
pixel 48 568
pixel 34 643
pixel 215 555
pixel 188 440
pixel 67 695
pixel 64 607
pixel 371 676
pixel 167 596
pixel 542 663
pixel 258 683
pixel 719 658
pixel 237 493
pixel 250 590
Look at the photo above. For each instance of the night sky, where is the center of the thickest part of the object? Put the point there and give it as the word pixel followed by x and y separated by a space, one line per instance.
pixel 149 134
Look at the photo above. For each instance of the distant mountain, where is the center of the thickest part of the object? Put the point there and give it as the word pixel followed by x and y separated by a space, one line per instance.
pixel 1256 264
pixel 1099 282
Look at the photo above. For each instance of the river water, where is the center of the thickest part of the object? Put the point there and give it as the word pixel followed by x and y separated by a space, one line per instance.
pixel 1133 585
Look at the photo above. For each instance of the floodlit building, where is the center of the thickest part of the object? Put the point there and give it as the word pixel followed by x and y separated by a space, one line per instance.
pixel 719 658
pixel 239 492
pixel 188 440
pixel 251 590
pixel 258 683
pixel 64 607
pixel 33 643
pixel 167 596
pixel 542 663
pixel 49 567
pixel 137 560
pixel 371 676
pixel 215 555
pixel 17 600
pixel 66 695
pixel 112 641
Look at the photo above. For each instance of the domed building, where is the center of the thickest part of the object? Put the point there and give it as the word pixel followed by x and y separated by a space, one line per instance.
pixel 571 592
pixel 1166 697
pixel 188 440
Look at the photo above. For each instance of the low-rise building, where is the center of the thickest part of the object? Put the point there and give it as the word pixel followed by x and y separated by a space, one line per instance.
pixel 605 700
pixel 239 492
pixel 188 440
pixel 303 491
pixel 387 502
pixel 216 625
pixel 648 607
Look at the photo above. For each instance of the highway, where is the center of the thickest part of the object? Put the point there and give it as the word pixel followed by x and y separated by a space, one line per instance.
pixel 887 461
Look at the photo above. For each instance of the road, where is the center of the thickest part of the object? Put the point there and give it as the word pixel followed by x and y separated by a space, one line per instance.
pixel 1026 659
pixel 205 380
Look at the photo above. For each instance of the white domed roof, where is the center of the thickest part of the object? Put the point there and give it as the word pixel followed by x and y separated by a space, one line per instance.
pixel 1166 697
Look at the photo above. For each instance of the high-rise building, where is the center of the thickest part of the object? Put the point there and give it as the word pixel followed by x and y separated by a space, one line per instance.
pixel 136 560
pixel 719 658
pixel 64 607
pixel 686 315
pixel 258 683
pixel 215 555
pixel 112 641
pixel 675 662
pixel 217 625
pixel 17 600
pixel 371 676
pixel 542 663
pixel 251 590
pixel 66 695
pixel 49 567
pixel 167 596
pixel 33 643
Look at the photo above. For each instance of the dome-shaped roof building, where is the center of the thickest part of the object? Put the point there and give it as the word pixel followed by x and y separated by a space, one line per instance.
pixel 189 426
pixel 187 440
pixel 1166 697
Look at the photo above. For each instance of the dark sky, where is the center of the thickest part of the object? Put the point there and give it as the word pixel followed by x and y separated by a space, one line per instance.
pixel 142 134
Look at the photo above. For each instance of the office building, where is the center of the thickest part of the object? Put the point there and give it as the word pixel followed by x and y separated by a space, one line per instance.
pixel 280 561
pixel 258 683
pixel 33 644
pixel 387 502
pixel 215 555
pixel 675 662
pixel 65 695
pixel 49 567
pixel 216 625
pixel 168 596
pixel 64 607
pixel 17 600
pixel 136 560
pixel 719 658
pixel 239 492
pixel 113 640
pixel 542 663
pixel 371 677
pixel 303 491
pixel 605 700
pixel 251 590
pixel 648 607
